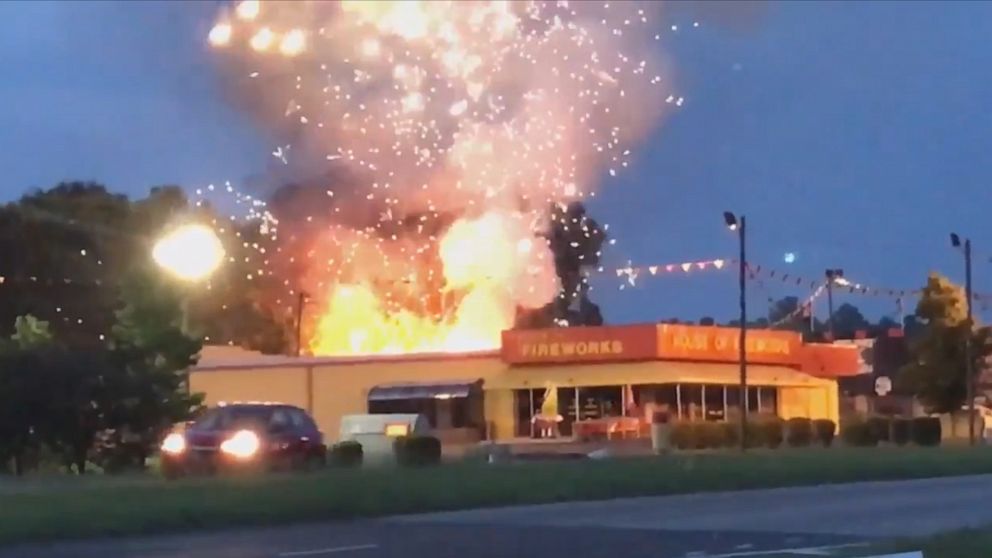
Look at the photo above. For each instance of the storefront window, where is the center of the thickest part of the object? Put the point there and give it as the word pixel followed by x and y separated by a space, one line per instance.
pixel 600 402
pixel 713 397
pixel 523 411
pixel 691 398
pixel 753 405
pixel 733 402
pixel 656 397
pixel 566 408
pixel 768 397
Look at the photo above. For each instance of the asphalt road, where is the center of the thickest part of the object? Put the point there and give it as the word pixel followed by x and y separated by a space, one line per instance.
pixel 726 525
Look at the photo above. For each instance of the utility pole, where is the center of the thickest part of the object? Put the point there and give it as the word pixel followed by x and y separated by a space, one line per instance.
pixel 301 301
pixel 741 227
pixel 969 365
pixel 832 275
pixel 970 361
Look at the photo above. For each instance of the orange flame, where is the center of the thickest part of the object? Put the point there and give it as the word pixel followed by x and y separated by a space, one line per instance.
pixel 489 266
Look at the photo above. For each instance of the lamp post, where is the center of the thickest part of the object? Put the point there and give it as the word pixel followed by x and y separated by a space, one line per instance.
pixel 740 226
pixel 191 253
pixel 969 361
pixel 301 301
pixel 832 276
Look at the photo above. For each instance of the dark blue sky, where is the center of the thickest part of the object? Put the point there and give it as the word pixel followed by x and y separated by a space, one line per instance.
pixel 853 134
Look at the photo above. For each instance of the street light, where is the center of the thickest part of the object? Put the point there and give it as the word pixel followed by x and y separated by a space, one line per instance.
pixel 833 276
pixel 191 253
pixel 740 227
pixel 969 361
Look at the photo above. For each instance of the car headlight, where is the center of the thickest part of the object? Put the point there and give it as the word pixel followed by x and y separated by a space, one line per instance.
pixel 174 443
pixel 243 444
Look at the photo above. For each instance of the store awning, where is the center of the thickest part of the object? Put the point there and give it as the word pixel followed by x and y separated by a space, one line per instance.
pixel 433 390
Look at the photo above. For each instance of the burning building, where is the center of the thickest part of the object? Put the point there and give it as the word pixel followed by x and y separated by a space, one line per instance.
pixel 598 380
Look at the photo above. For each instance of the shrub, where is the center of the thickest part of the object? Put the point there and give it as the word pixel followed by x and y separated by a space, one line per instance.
pixel 731 433
pixel 825 430
pixel 417 451
pixel 799 432
pixel 900 431
pixel 683 436
pixel 925 431
pixel 756 435
pixel 703 435
pixel 772 432
pixel 858 434
pixel 880 428
pixel 346 454
pixel 710 435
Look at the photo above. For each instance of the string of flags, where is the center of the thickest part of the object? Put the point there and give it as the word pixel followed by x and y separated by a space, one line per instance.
pixel 631 273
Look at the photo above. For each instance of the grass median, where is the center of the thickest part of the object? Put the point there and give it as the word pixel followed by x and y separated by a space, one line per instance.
pixel 108 506
pixel 964 543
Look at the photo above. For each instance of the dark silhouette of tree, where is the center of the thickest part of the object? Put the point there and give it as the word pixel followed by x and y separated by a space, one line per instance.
pixel 576 242
pixel 64 250
pixel 707 321
pixel 848 321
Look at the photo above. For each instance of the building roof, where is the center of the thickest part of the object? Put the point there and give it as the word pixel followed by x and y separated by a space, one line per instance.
pixel 608 344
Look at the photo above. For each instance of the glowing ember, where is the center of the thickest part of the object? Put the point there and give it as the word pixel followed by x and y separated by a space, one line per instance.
pixel 451 130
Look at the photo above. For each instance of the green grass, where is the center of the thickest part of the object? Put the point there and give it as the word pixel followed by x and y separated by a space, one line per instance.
pixel 964 543
pixel 109 506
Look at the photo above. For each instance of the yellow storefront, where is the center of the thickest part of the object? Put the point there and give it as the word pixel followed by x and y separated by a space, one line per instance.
pixel 620 371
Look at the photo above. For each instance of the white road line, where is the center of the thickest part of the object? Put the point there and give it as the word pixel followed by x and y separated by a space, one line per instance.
pixel 332 550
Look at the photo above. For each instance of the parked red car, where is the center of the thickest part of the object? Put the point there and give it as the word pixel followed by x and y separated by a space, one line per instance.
pixel 245 436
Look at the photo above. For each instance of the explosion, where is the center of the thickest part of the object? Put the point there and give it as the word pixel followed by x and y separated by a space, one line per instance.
pixel 443 134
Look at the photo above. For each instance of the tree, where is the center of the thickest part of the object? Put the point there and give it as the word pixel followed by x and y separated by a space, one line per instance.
pixel 30 332
pixel 937 371
pixel 913 326
pixel 150 357
pixel 59 252
pixel 784 311
pixel 848 321
pixel 237 305
pixel 63 251
pixel 25 399
pixel 79 395
pixel 789 314
pixel 22 404
pixel 576 242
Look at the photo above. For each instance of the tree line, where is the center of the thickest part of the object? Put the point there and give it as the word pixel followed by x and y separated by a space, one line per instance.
pixel 93 352
pixel 789 314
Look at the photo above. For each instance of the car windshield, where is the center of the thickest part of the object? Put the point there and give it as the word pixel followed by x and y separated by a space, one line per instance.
pixel 226 418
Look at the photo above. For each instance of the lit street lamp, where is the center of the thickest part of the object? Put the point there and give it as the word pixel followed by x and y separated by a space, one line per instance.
pixel 191 253
pixel 969 361
pixel 740 226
